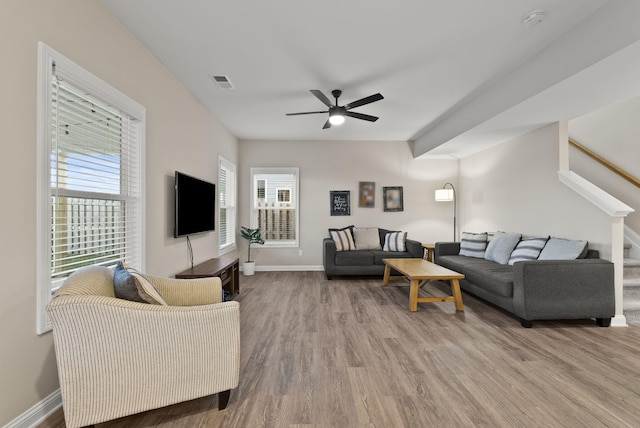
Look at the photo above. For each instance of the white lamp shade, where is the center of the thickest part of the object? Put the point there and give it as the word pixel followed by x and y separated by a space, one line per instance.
pixel 444 195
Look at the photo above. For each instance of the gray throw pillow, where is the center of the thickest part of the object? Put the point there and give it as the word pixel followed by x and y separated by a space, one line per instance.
pixel 563 249
pixel 500 248
pixel 134 288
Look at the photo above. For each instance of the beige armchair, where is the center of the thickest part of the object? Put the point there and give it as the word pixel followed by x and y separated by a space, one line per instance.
pixel 116 357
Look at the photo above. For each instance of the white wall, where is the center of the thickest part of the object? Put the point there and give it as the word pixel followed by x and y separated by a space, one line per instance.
pixel 181 134
pixel 613 132
pixel 341 165
pixel 514 187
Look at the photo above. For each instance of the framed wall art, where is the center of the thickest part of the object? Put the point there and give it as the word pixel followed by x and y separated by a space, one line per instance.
pixel 367 194
pixel 340 202
pixel 392 198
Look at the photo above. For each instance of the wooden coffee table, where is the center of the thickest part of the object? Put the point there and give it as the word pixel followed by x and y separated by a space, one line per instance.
pixel 417 270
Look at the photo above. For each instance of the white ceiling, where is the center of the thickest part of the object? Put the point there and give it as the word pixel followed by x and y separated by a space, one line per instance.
pixel 446 68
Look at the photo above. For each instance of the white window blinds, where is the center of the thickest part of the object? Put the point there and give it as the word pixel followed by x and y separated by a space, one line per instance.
pixel 90 175
pixel 94 183
pixel 227 186
pixel 95 186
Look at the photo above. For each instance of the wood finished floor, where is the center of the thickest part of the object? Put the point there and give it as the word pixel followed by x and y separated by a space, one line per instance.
pixel 348 353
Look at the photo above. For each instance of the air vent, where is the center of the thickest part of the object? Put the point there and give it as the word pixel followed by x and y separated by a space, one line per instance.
pixel 533 18
pixel 222 82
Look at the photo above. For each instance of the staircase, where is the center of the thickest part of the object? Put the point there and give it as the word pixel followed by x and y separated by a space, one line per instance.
pixel 631 284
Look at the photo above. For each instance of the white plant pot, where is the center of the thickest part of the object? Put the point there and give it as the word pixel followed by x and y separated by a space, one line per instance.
pixel 248 268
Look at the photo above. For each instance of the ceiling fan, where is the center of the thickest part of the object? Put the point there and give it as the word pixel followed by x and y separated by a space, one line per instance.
pixel 337 113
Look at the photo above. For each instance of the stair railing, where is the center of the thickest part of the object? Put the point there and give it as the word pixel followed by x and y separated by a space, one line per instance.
pixel 621 172
pixel 615 208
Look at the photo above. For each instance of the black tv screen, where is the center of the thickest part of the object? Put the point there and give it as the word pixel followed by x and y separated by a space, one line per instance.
pixel 195 205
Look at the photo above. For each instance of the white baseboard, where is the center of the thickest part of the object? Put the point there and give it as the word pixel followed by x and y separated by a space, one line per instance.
pixel 619 321
pixel 39 412
pixel 291 268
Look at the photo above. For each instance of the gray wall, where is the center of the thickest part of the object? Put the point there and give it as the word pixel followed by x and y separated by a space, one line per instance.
pixel 613 132
pixel 514 187
pixel 181 134
pixel 341 165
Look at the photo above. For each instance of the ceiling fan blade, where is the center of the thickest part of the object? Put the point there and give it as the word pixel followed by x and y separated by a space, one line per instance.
pixel 361 116
pixel 305 112
pixel 327 124
pixel 363 101
pixel 322 97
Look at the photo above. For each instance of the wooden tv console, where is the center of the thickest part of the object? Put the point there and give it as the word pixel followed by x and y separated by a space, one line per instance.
pixel 227 268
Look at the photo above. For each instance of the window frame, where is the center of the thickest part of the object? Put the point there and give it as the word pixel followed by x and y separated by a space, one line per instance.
pixel 231 168
pixel 100 90
pixel 295 194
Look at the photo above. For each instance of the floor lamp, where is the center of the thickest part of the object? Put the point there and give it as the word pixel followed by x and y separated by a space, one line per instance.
pixel 448 195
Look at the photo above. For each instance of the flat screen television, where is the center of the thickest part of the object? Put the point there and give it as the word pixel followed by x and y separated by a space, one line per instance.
pixel 195 205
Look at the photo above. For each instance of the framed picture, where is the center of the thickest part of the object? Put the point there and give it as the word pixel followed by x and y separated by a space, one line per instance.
pixel 367 194
pixel 340 202
pixel 392 197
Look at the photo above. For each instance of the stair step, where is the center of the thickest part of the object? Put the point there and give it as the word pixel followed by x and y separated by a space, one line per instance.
pixel 631 283
pixel 631 268
pixel 631 262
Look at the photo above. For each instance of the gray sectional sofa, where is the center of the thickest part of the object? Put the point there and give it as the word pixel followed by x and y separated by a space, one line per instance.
pixel 536 289
pixel 363 261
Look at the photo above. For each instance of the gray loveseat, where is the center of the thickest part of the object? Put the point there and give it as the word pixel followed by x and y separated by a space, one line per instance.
pixel 538 289
pixel 364 262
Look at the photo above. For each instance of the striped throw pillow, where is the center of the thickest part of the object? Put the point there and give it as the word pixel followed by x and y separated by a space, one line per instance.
pixel 473 245
pixel 528 249
pixel 343 239
pixel 395 241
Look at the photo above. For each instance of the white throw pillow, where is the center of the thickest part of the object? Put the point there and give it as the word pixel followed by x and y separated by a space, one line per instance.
pixel 562 249
pixel 500 248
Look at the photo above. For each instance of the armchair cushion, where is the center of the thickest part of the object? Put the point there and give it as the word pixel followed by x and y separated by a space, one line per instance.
pixel 188 292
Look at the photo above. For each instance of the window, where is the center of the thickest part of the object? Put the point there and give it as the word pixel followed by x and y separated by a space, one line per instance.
pixel 261 186
pixel 274 205
pixel 284 195
pixel 90 178
pixel 227 186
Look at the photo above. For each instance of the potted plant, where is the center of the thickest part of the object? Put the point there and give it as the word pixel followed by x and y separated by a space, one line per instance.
pixel 254 236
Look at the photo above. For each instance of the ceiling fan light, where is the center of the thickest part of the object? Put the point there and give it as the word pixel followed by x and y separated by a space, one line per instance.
pixel 336 119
